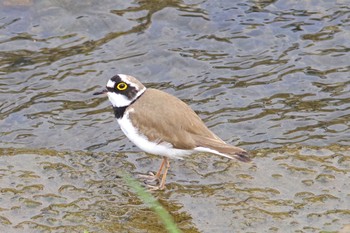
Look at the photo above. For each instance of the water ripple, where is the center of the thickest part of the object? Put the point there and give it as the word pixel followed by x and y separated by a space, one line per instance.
pixel 261 74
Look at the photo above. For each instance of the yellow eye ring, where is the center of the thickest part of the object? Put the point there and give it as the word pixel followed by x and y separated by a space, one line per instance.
pixel 121 86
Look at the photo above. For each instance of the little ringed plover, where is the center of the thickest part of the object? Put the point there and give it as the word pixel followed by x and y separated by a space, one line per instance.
pixel 161 124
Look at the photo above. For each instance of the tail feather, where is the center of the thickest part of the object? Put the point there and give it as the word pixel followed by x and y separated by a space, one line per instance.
pixel 218 147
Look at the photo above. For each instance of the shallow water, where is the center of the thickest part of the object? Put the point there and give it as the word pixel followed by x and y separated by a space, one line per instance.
pixel 269 76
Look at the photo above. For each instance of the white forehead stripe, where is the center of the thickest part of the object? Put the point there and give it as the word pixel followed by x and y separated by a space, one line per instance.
pixel 123 77
pixel 110 84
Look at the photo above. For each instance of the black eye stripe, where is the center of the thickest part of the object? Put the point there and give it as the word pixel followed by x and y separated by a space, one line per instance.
pixel 130 91
pixel 110 89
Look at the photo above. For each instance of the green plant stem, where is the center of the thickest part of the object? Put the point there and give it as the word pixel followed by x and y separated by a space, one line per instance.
pixel 148 199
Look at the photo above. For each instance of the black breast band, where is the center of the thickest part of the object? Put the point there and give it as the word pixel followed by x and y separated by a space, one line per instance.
pixel 119 111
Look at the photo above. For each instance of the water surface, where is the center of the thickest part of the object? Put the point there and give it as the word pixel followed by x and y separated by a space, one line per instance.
pixel 269 76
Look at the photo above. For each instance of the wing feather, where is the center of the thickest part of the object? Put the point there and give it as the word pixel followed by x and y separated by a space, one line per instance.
pixel 165 118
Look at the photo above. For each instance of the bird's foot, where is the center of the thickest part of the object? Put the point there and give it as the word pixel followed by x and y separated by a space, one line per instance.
pixel 150 178
pixel 155 187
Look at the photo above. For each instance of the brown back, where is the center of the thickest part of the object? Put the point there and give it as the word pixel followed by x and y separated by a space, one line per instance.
pixel 165 118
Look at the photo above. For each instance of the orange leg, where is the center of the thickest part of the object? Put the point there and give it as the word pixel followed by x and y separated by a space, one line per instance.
pixel 162 183
pixel 161 168
pixel 154 177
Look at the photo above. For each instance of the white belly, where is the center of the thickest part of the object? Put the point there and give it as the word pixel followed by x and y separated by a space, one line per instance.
pixel 141 141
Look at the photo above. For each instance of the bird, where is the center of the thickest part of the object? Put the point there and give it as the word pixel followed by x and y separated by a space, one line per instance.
pixel 161 124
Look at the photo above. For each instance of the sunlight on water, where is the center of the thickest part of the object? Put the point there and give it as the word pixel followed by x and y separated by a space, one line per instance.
pixel 269 76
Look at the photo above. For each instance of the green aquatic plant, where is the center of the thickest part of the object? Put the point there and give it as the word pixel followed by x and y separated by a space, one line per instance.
pixel 149 200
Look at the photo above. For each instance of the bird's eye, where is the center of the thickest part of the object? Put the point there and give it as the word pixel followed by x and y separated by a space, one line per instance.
pixel 121 86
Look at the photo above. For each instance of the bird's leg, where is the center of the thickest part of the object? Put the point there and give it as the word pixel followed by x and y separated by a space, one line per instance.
pixel 167 166
pixel 154 177
pixel 161 168
pixel 162 183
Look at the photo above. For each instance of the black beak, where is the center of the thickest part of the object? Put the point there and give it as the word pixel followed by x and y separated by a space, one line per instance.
pixel 101 92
